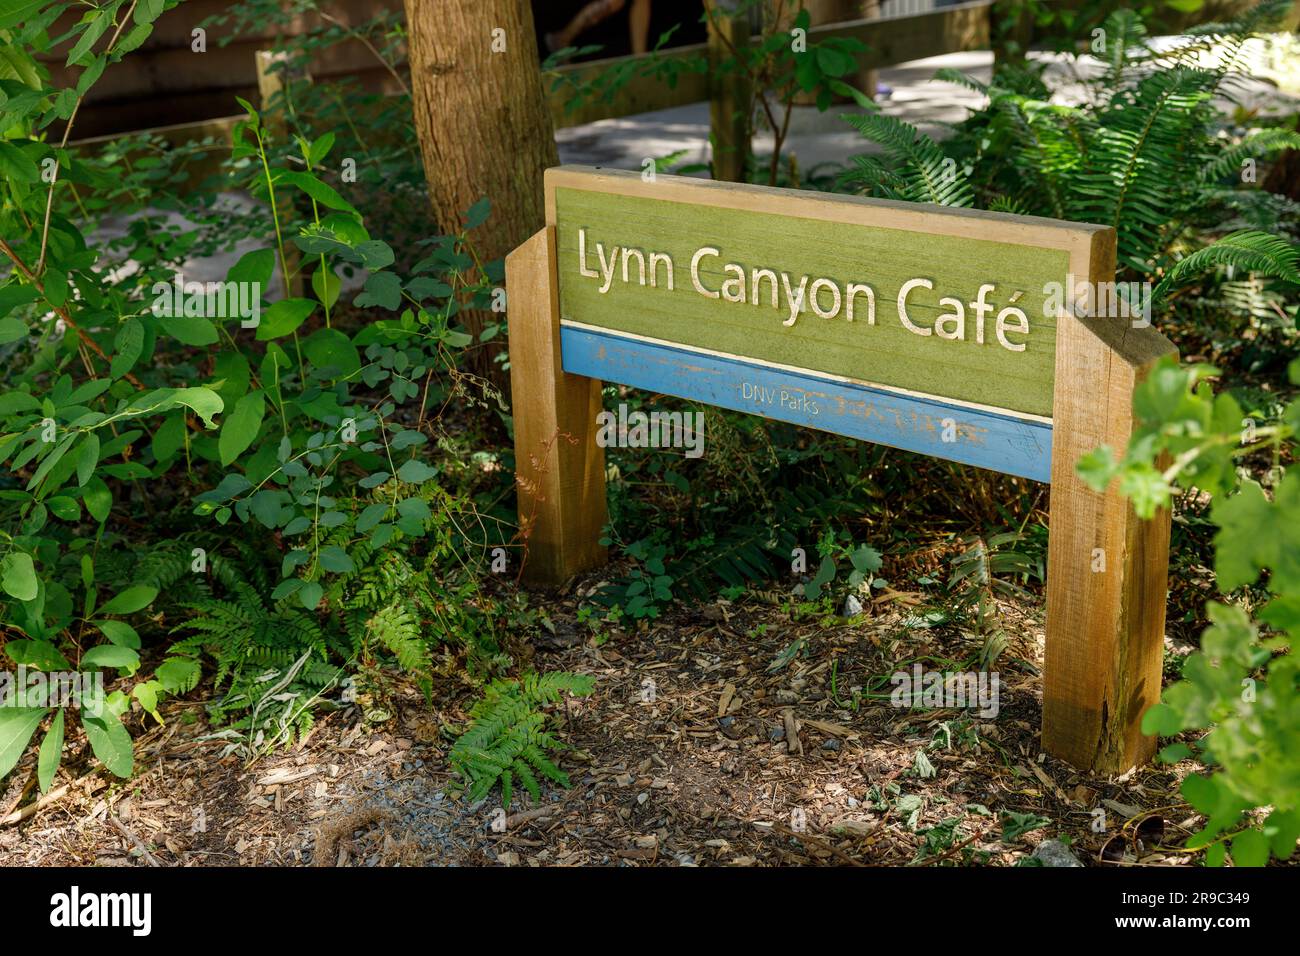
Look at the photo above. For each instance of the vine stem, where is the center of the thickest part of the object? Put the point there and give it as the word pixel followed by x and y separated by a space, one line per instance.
pixel 67 131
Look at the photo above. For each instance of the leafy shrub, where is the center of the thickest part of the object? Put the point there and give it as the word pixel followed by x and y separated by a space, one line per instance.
pixel 122 418
pixel 1242 688
pixel 1149 152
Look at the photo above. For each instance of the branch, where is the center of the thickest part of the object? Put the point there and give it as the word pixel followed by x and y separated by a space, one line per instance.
pixel 61 311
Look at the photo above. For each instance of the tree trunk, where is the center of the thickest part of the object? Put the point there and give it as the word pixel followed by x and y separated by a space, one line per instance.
pixel 484 126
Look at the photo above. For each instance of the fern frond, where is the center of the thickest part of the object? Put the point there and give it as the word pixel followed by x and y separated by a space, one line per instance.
pixel 929 175
pixel 398 629
pixel 1248 250
pixel 508 739
pixel 948 75
pixel 1260 142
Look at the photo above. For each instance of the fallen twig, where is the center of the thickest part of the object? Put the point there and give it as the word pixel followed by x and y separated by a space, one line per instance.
pixel 139 844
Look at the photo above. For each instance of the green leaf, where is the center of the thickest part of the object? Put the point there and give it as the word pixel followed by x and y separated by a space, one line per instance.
pixel 327 285
pixel 320 149
pixel 1283 831
pixel 110 742
pixel 110 655
pixel 1201 792
pixel 64 508
pixel 11 402
pixel 87 458
pixel 13 295
pixel 375 254
pixel 204 402
pixel 317 190
pixel 256 266
pixel 284 317
pixel 478 213
pixel 129 601
pixel 1248 539
pixel 14 12
pixel 310 594
pixel 147 11
pixel 866 559
pixel 1174 753
pixel 1097 468
pixel 178 675
pixel 51 754
pixel 371 516
pixel 330 348
pixel 825 574
pixel 17 724
pixel 101 21
pixel 18 576
pixel 1162 720
pixel 146 692
pixel 1250 848
pixel 41 655
pixel 1248 250
pixel 17 165
pixel 333 558
pixel 189 329
pixel 11 330
pixel 383 289
pixel 119 632
pixel 1215 854
pixel 98 499
pixel 241 427
pixel 413 472
pixel 128 343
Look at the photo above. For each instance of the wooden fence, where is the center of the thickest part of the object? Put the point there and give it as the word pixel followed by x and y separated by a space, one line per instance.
pixel 168 73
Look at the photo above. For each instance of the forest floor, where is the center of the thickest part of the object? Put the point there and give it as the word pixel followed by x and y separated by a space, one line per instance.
pixel 706 742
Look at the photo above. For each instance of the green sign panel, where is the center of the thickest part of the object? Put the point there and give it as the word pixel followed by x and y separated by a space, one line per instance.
pixel 967 317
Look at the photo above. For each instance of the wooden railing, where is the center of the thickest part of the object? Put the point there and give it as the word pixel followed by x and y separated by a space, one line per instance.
pixel 890 40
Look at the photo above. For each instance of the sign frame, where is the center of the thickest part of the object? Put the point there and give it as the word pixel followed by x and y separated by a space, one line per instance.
pixel 1107 569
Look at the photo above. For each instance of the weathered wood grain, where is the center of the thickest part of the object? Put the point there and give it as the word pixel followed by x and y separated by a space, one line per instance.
pixel 1107 569
pixel 560 470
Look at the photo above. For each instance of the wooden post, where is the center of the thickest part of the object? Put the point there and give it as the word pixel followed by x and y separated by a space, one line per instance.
pixel 270 83
pixel 729 122
pixel 1106 568
pixel 559 468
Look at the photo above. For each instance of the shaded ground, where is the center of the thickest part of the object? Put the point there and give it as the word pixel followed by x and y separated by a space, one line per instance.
pixel 681 757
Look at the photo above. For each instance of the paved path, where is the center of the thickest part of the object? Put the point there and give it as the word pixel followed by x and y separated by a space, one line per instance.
pixel 814 137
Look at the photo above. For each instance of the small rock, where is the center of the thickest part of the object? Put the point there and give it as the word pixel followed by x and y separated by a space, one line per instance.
pixel 831 743
pixel 1055 853
pixel 852 606
pixel 776 734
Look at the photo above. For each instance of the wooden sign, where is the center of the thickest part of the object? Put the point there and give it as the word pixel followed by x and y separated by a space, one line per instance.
pixel 950 332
